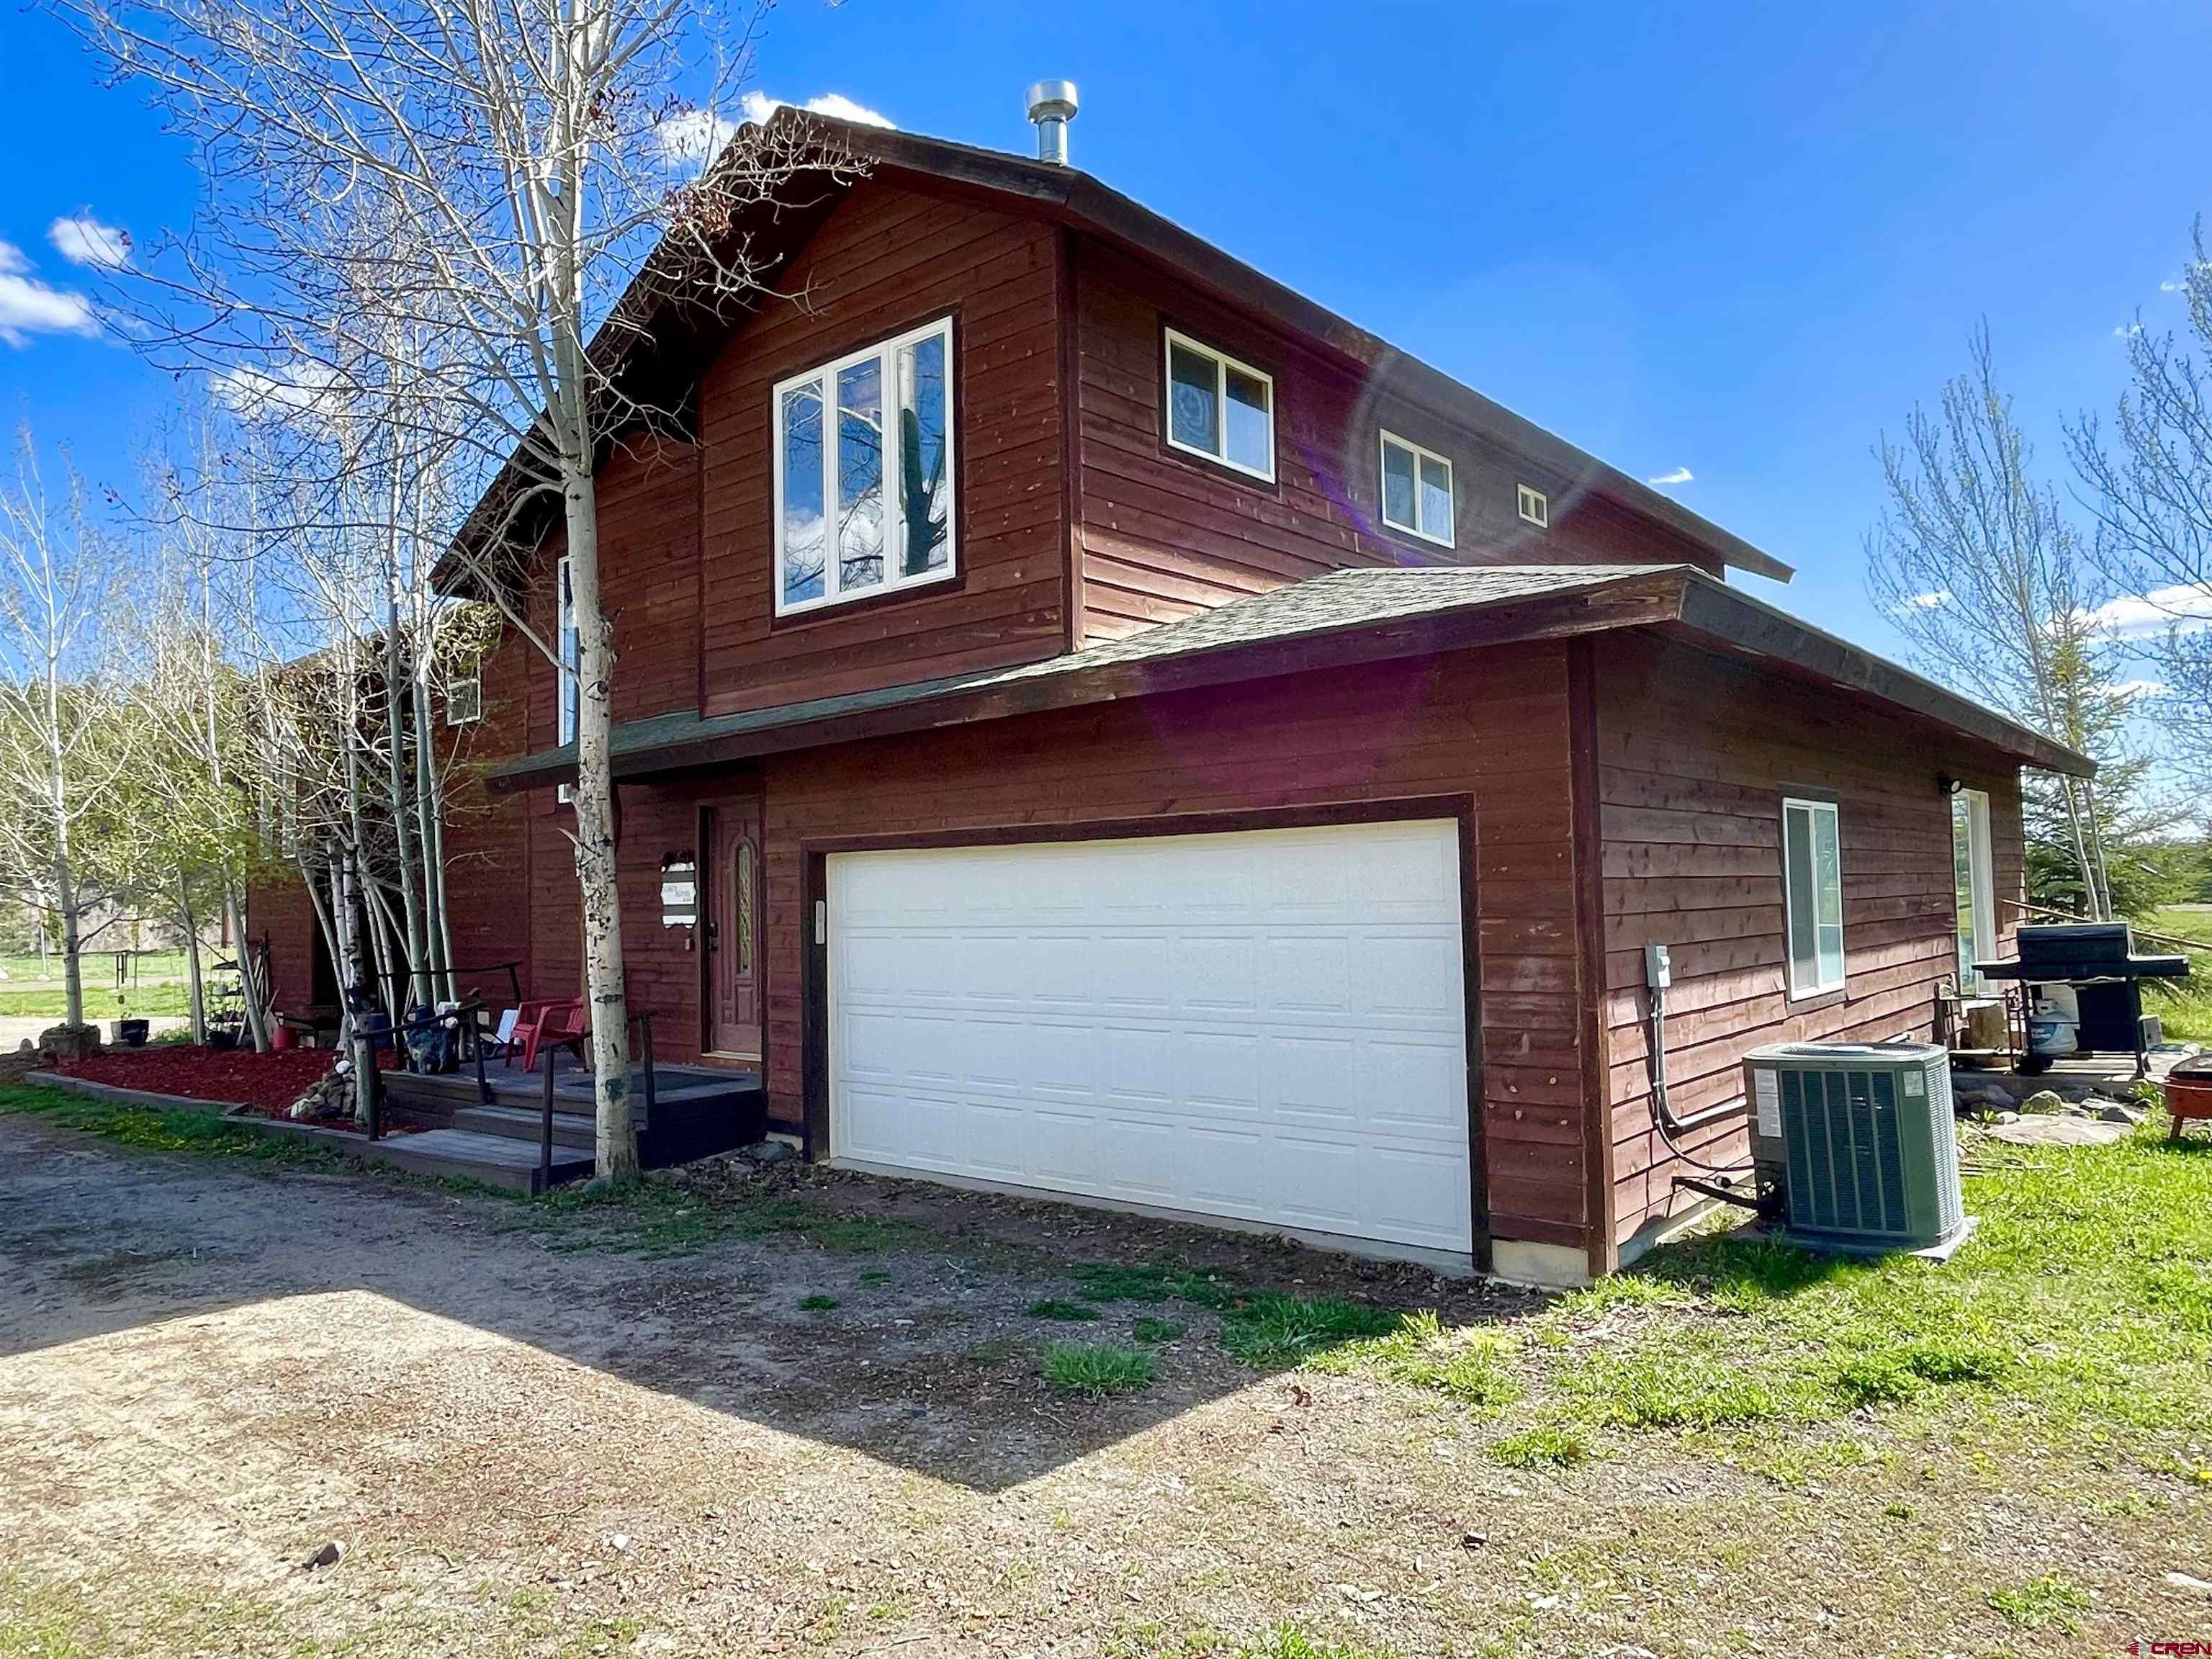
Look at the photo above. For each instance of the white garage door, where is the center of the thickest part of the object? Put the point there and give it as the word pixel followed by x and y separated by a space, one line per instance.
pixel 1268 1024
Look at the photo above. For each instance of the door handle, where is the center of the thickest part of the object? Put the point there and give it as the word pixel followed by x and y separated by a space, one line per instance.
pixel 713 935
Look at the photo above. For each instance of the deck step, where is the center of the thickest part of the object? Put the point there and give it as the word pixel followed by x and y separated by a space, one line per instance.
pixel 528 1122
pixel 496 1160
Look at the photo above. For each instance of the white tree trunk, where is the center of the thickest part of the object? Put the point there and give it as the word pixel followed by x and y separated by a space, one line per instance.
pixel 196 981
pixel 596 868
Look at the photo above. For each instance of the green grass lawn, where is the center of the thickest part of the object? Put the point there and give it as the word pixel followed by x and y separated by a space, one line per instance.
pixel 2185 1007
pixel 102 1002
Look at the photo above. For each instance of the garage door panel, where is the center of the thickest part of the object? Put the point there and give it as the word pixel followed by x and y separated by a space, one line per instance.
pixel 1219 1070
pixel 1308 974
pixel 1138 1064
pixel 1420 1194
pixel 1063 1151
pixel 1410 1084
pixel 1216 973
pixel 1313 1078
pixel 1225 1170
pixel 1139 1160
pixel 1130 972
pixel 1407 975
pixel 1314 1182
pixel 1265 1025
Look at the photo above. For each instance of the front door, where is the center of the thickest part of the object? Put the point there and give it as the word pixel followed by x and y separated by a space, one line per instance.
pixel 732 870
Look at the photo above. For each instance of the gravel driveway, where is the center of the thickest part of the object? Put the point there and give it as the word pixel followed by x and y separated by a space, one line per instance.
pixel 208 1372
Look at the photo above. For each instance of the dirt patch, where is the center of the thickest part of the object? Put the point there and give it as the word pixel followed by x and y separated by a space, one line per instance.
pixel 837 1438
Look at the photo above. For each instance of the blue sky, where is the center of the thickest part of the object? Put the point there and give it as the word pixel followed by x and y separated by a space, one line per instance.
pixel 1736 239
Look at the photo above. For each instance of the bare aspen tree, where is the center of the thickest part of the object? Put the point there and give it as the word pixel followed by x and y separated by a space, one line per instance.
pixel 2148 481
pixel 524 173
pixel 1978 567
pixel 66 744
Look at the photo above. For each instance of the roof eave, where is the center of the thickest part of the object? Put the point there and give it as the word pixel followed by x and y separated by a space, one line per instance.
pixel 1716 611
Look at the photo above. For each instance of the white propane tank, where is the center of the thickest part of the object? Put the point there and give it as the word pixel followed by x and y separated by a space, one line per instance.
pixel 2052 1032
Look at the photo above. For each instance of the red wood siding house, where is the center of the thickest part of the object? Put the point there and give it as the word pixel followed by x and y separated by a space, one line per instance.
pixel 1142 659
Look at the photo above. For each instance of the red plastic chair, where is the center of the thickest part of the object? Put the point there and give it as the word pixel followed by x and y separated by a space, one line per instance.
pixel 561 1024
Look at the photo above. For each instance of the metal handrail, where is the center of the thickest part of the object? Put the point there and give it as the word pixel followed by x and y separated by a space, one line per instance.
pixel 374 1082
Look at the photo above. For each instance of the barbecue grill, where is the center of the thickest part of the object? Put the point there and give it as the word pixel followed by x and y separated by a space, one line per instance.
pixel 2099 960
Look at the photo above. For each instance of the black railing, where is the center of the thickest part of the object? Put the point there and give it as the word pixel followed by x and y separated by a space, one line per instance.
pixel 436 970
pixel 374 1037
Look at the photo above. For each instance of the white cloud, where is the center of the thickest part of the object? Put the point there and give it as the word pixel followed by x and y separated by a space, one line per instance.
pixel 2173 285
pixel 2137 615
pixel 692 137
pixel 257 393
pixel 1679 475
pixel 758 107
pixel 2124 331
pixel 83 241
pixel 2142 688
pixel 28 307
pixel 1933 600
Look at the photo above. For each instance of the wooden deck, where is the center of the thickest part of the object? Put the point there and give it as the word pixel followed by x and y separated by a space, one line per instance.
pixel 696 1111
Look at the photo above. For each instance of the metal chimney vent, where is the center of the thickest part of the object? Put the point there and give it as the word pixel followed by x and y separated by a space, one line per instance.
pixel 1052 106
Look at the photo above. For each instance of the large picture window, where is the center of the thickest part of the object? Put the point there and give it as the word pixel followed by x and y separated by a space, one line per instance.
pixel 864 471
pixel 1812 895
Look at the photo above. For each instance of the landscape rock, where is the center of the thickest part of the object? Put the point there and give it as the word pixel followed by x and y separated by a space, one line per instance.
pixel 2111 1111
pixel 768 1151
pixel 329 1556
pixel 2008 1117
pixel 2044 1100
pixel 329 1096
pixel 2056 1129
pixel 2182 1581
pixel 70 1041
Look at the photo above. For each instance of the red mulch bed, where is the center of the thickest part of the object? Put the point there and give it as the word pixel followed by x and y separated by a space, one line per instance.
pixel 267 1083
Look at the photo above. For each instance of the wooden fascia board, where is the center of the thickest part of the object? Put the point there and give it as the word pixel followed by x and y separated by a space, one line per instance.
pixel 1713 610
pixel 1631 603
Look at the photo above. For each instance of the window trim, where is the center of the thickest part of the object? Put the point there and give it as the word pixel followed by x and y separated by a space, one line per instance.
pixel 474 681
pixel 1386 438
pixel 1982 877
pixel 1223 362
pixel 1814 808
pixel 1535 506
pixel 567 671
pixel 824 374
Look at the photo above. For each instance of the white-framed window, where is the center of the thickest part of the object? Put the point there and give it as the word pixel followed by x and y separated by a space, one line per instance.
pixel 1536 507
pixel 1220 407
pixel 1417 490
pixel 465 697
pixel 864 471
pixel 568 675
pixel 1974 882
pixel 1812 895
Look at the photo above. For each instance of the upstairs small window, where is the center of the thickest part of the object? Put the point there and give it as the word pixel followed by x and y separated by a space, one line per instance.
pixel 1417 490
pixel 572 658
pixel 465 697
pixel 570 645
pixel 1812 895
pixel 864 473
pixel 1536 507
pixel 1220 407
